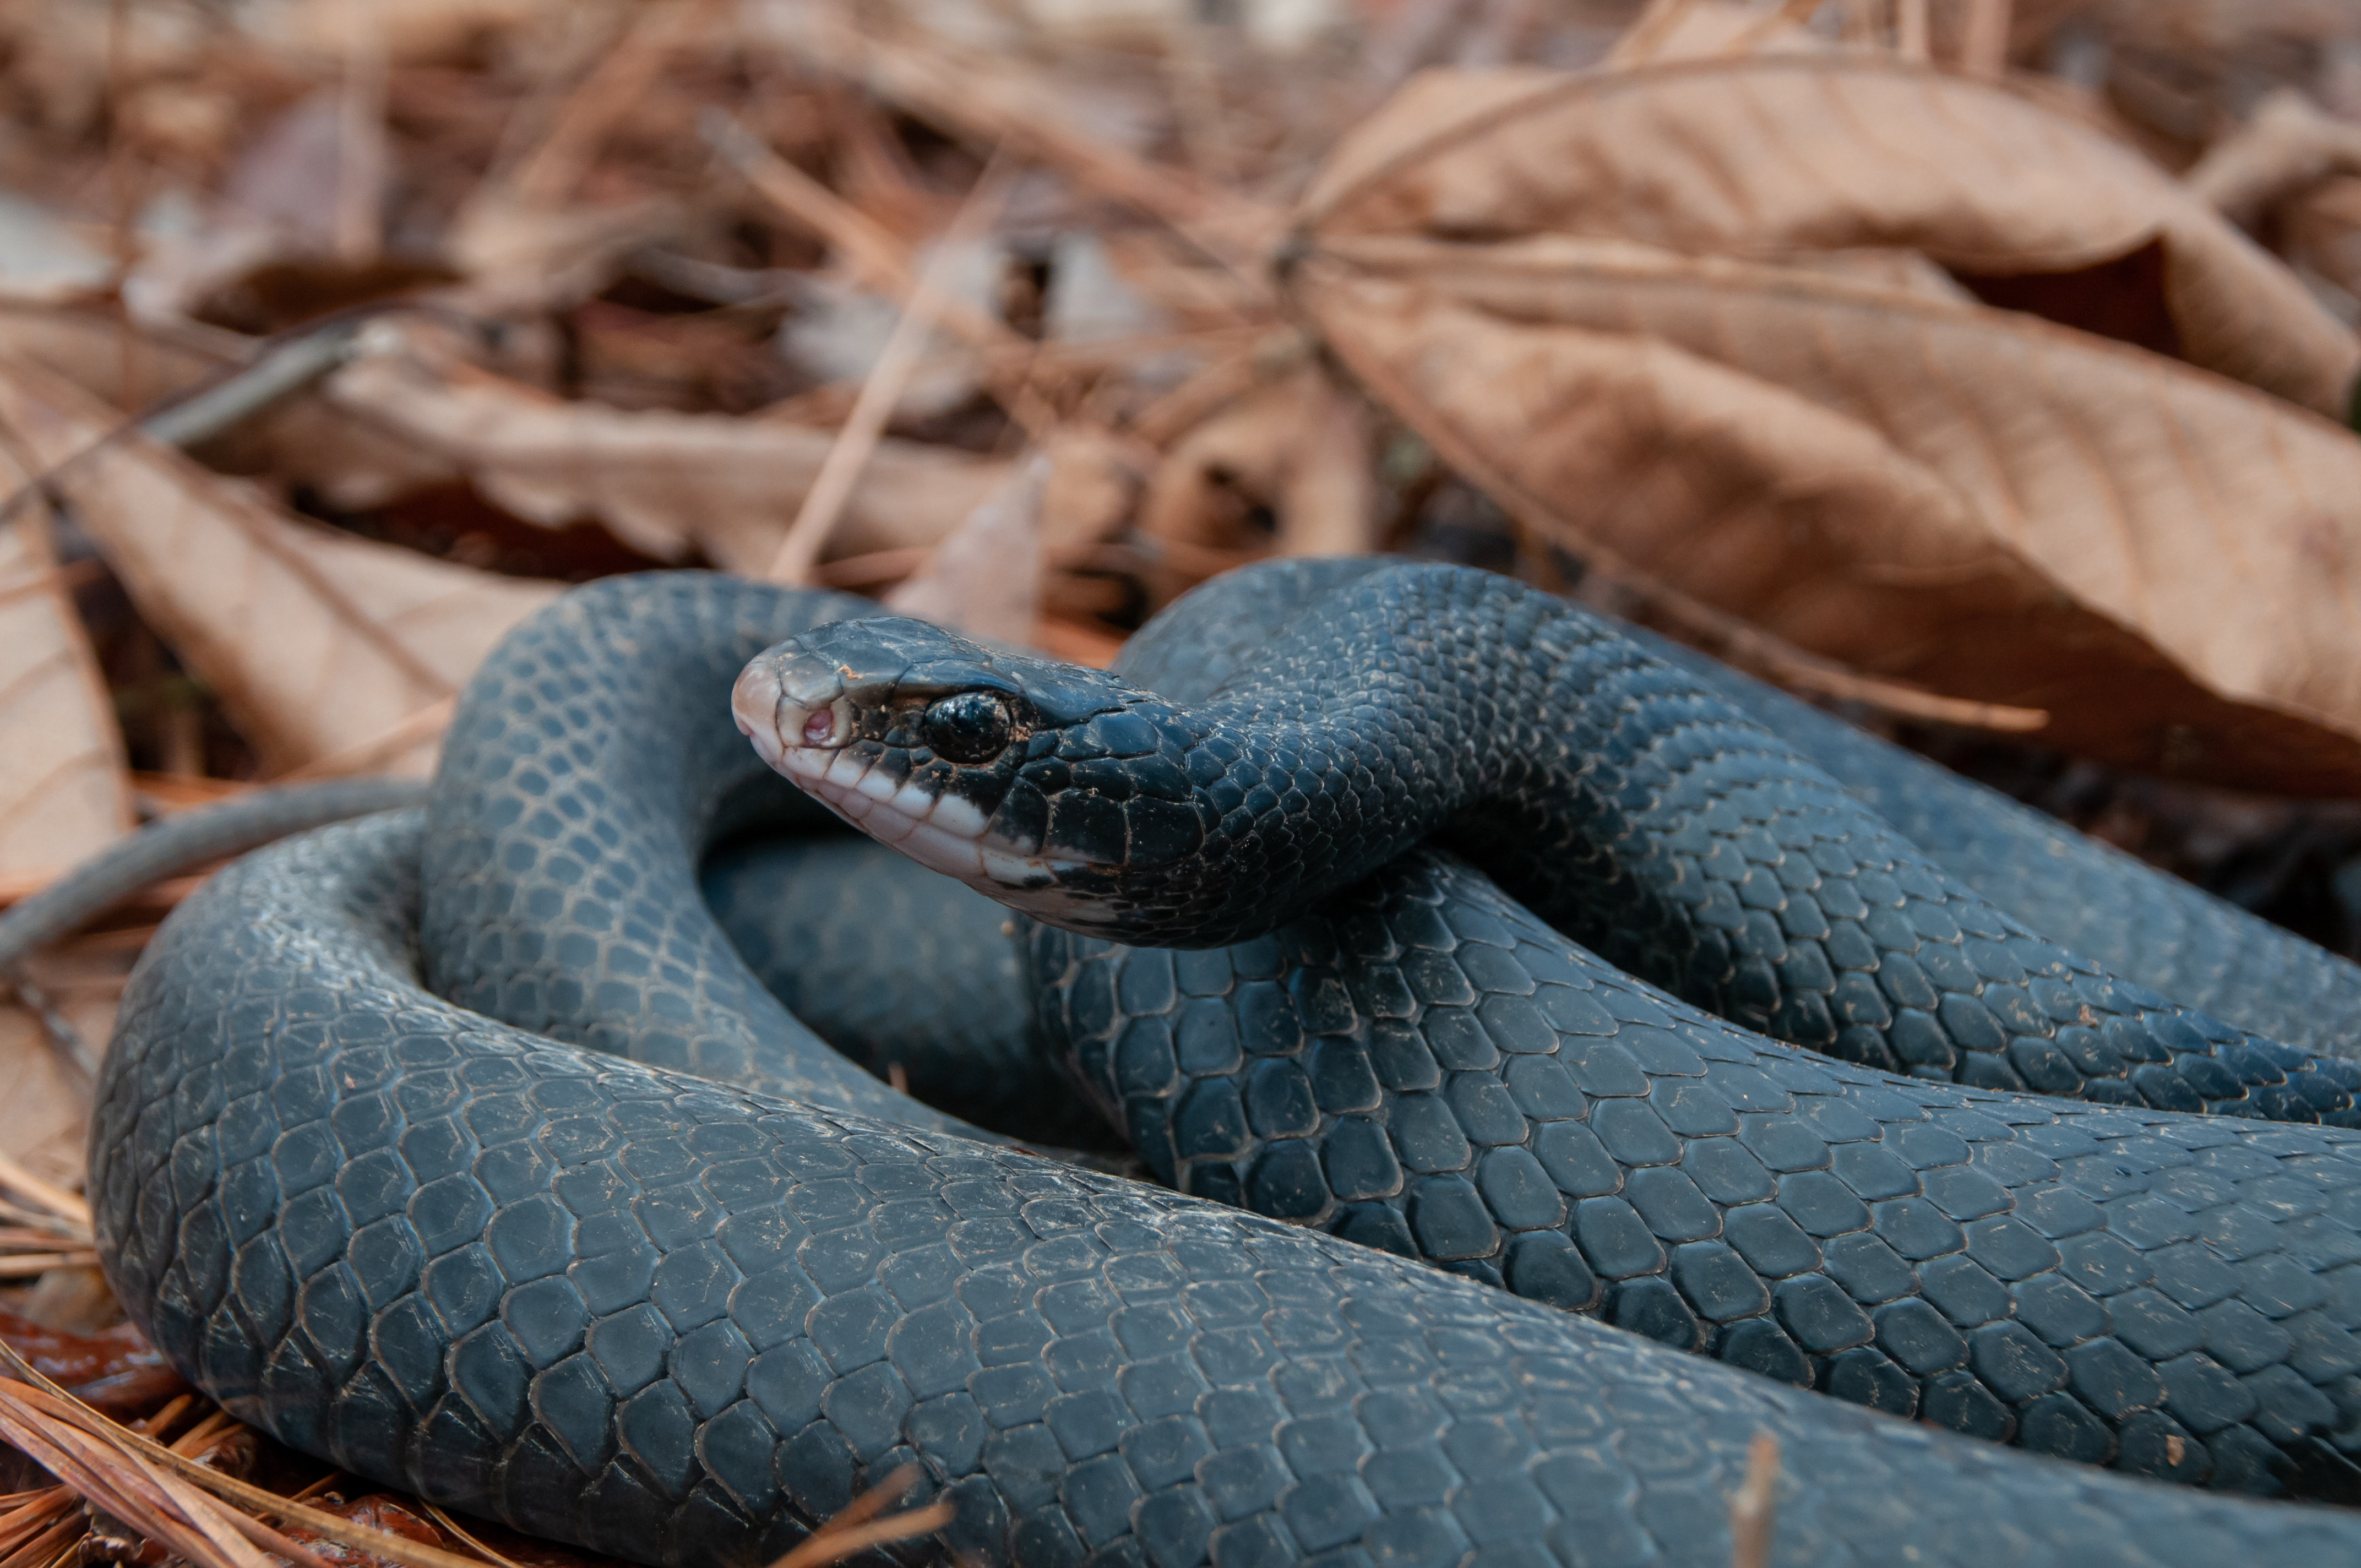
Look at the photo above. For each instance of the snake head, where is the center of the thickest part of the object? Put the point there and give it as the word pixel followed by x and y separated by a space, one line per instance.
pixel 1038 783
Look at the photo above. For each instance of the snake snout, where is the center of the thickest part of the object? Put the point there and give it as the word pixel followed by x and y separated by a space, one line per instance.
pixel 791 712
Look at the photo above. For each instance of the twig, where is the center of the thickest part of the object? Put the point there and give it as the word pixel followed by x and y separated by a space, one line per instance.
pixel 123 198
pixel 54 579
pixel 327 1526
pixel 1753 1508
pixel 1197 103
pixel 880 261
pixel 26 1266
pixel 161 1421
pixel 883 265
pixel 56 1027
pixel 1647 33
pixel 1406 40
pixel 59 1227
pixel 613 88
pixel 1983 41
pixel 850 453
pixel 57 1199
pixel 855 1527
pixel 823 1550
pixel 918 78
pixel 122 1485
pixel 1787 13
pixel 447 1522
pixel 366 756
pixel 281 367
pixel 1910 30
pixel 360 138
pixel 280 370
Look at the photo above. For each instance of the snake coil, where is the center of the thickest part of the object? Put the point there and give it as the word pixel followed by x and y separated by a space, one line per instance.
pixel 508 1241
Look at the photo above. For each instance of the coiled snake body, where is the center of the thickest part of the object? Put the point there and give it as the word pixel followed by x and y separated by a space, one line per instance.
pixel 610 1297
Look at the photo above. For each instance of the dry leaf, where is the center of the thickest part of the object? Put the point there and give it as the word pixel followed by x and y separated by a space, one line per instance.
pixel 1297 449
pixel 1999 509
pixel 63 790
pixel 96 351
pixel 2322 231
pixel 304 440
pixel 43 1097
pixel 1093 481
pixel 984 578
pixel 64 794
pixel 1763 157
pixel 319 644
pixel 412 31
pixel 660 482
pixel 2288 147
pixel 521 256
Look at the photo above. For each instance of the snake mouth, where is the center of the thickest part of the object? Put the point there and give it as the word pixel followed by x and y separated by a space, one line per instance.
pixel 804 725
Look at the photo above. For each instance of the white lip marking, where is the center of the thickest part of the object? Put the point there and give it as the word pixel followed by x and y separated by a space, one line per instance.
pixel 888 825
pixel 942 832
pixel 958 817
pixel 1011 871
pixel 938 850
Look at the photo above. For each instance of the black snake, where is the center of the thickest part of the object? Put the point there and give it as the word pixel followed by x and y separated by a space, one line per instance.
pixel 612 1298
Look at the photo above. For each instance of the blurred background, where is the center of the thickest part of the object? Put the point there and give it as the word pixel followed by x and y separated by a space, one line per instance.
pixel 1982 369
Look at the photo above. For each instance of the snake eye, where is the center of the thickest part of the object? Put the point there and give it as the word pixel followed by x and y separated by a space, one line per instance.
pixel 969 728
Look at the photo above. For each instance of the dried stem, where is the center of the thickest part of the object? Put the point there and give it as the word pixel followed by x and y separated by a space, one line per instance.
pixel 1785 13
pixel 1753 1508
pixel 840 470
pixel 617 84
pixel 1647 34
pixel 360 138
pixel 414 731
pixel 1983 41
pixel 1910 30
pixel 856 1528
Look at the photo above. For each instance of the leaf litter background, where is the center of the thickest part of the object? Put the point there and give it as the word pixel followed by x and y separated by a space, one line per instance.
pixel 1985 370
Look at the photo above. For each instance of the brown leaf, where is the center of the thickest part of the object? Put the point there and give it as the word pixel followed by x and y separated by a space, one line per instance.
pixel 1297 449
pixel 318 643
pixel 2286 149
pixel 41 1096
pixel 660 482
pixel 984 578
pixel 1766 157
pixel 1999 509
pixel 304 440
pixel 63 790
pixel 107 1370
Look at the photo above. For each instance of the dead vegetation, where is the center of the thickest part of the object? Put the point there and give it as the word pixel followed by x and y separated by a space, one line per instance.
pixel 1987 368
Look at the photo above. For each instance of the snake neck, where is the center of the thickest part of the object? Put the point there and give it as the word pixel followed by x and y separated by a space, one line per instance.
pixel 1417 703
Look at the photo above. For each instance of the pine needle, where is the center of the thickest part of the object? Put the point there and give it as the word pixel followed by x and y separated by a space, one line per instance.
pixel 856 1528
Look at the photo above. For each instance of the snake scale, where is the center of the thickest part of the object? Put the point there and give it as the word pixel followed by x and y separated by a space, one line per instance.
pixel 680 1294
